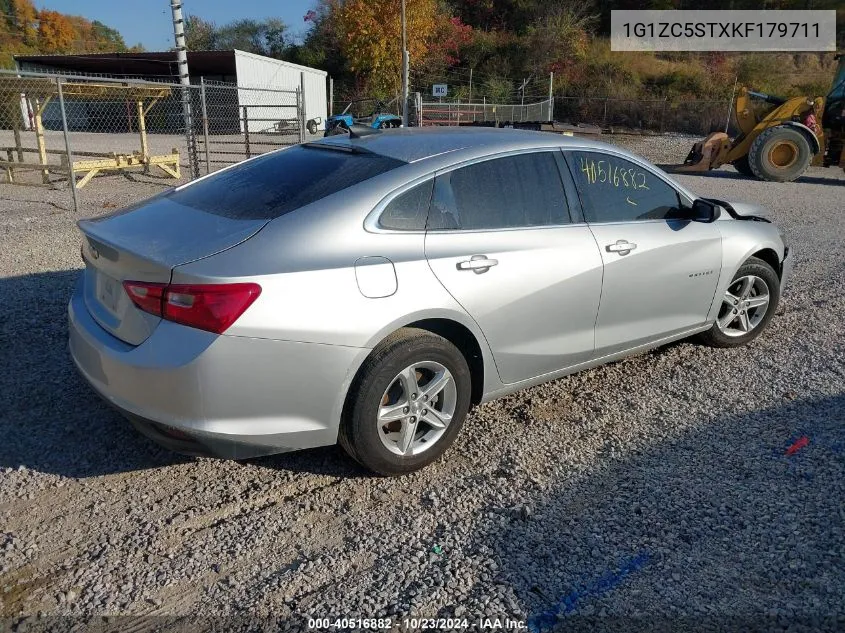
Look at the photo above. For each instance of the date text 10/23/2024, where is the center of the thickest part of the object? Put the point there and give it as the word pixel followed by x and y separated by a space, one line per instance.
pixel 418 624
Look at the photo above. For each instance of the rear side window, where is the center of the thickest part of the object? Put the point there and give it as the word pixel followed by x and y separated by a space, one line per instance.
pixel 275 184
pixel 408 211
pixel 613 189
pixel 518 191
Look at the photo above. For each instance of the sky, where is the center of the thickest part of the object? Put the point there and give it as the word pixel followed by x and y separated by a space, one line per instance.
pixel 149 22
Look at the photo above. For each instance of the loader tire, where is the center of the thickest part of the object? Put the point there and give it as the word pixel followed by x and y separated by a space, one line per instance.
pixel 780 154
pixel 742 166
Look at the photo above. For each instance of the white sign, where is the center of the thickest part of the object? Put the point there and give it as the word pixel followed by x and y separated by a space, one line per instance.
pixel 439 90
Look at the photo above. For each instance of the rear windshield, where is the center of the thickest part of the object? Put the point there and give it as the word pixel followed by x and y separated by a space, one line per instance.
pixel 272 185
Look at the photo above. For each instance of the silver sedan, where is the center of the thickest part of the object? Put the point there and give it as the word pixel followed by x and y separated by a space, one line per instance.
pixel 369 290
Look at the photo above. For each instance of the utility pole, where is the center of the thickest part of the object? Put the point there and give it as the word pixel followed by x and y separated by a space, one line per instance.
pixel 185 80
pixel 522 100
pixel 522 90
pixel 551 95
pixel 179 36
pixel 405 64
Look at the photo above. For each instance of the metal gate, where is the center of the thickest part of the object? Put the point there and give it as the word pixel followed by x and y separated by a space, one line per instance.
pixel 237 123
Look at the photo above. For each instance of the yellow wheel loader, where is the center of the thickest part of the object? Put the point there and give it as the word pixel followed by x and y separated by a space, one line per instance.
pixel 779 137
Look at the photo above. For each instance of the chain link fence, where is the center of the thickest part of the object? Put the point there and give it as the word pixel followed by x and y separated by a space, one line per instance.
pixel 81 133
pixel 455 112
pixel 643 116
pixel 104 134
pixel 237 123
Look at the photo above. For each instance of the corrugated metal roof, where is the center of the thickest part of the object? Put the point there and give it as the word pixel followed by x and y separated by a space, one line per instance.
pixel 161 64
pixel 279 62
pixel 152 63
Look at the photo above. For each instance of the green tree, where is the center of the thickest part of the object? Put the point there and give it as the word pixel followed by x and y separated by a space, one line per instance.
pixel 200 35
pixel 559 37
pixel 321 46
pixel 107 38
pixel 264 37
pixel 498 89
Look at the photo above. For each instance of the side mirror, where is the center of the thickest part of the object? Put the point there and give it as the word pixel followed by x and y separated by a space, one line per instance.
pixel 704 211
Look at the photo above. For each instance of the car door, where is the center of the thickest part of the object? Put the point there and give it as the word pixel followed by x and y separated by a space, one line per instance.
pixel 660 271
pixel 501 241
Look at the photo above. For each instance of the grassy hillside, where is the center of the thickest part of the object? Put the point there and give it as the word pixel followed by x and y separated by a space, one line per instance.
pixel 694 75
pixel 510 43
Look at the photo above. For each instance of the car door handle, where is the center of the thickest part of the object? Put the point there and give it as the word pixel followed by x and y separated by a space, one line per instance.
pixel 478 264
pixel 623 247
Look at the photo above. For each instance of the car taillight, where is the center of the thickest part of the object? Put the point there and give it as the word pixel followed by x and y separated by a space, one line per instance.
pixel 211 307
pixel 145 295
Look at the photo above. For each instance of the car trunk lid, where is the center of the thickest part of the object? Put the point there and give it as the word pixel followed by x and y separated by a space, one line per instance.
pixel 144 243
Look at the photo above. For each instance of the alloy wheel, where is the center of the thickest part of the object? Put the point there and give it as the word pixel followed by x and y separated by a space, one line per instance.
pixel 744 306
pixel 416 408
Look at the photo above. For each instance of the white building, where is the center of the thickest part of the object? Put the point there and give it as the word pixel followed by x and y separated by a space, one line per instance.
pixel 258 71
pixel 259 82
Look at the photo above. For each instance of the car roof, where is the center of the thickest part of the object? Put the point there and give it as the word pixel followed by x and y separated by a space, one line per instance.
pixel 411 145
pixel 432 148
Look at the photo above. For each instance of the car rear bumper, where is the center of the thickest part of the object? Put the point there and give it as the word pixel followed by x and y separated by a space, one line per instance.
pixel 197 443
pixel 228 396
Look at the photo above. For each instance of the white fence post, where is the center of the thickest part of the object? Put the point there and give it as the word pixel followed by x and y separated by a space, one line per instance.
pixel 205 126
pixel 303 118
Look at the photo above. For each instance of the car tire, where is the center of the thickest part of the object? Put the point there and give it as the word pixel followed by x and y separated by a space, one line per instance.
pixel 742 166
pixel 780 154
pixel 311 126
pixel 738 321
pixel 391 432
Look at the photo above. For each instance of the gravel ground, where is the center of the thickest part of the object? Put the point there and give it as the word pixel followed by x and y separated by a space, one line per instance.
pixel 656 492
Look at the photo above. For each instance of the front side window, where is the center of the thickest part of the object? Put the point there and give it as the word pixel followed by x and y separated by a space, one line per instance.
pixel 520 191
pixel 614 189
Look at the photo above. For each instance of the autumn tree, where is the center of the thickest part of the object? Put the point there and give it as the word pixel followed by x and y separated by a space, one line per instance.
pixel 453 36
pixel 55 32
pixel 25 31
pixel 370 36
pixel 83 34
pixel 21 16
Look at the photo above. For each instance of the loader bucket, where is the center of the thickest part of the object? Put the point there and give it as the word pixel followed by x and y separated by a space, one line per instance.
pixel 707 154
